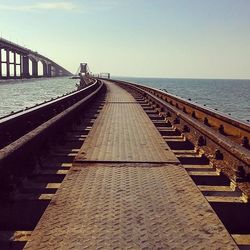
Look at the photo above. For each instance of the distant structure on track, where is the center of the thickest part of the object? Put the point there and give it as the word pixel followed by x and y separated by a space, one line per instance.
pixel 83 70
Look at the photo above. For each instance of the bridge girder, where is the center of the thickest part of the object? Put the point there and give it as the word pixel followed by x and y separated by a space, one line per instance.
pixel 25 55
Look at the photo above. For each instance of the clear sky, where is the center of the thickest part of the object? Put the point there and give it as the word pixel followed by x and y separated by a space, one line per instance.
pixel 158 38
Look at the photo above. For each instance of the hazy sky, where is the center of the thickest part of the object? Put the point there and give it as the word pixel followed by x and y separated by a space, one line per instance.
pixel 161 38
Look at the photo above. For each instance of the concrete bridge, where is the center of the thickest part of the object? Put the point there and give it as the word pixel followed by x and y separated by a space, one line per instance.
pixel 119 165
pixel 19 62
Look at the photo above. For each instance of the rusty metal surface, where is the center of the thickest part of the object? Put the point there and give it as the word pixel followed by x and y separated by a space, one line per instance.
pixel 235 157
pixel 117 94
pixel 41 130
pixel 232 126
pixel 32 117
pixel 124 133
pixel 129 206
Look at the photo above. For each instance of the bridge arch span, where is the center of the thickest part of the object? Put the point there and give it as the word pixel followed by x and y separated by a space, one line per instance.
pixel 19 62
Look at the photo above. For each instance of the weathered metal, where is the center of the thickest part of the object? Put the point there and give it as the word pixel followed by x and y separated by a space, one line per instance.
pixel 129 206
pixel 21 156
pixel 232 127
pixel 16 125
pixel 124 133
pixel 127 190
pixel 220 141
pixel 117 176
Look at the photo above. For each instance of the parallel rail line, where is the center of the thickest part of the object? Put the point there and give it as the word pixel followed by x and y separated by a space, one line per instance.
pixel 213 151
pixel 26 202
pixel 224 151
pixel 223 123
pixel 227 194
pixel 27 148
pixel 14 126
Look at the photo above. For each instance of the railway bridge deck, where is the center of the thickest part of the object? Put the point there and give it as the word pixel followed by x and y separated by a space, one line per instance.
pixel 127 189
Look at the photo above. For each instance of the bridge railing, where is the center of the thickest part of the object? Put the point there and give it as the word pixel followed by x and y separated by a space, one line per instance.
pixel 16 125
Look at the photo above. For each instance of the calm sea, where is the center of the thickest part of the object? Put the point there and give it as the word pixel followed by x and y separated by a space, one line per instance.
pixel 17 95
pixel 228 96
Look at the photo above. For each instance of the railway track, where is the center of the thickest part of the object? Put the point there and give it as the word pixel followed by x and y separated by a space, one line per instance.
pixel 30 118
pixel 218 163
pixel 26 193
pixel 230 203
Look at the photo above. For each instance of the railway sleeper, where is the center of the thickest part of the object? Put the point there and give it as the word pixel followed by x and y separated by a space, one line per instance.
pixel 20 213
pixel 154 117
pixel 160 123
pixel 227 200
pixel 181 145
pixel 174 139
pixel 151 111
pixel 169 131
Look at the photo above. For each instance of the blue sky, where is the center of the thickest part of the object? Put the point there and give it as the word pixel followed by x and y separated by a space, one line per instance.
pixel 158 38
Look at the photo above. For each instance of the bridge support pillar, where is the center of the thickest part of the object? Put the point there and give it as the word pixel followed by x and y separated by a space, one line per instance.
pixel 14 63
pixel 57 71
pixel 7 64
pixel 25 67
pixel 1 74
pixel 49 73
pixel 34 69
pixel 45 69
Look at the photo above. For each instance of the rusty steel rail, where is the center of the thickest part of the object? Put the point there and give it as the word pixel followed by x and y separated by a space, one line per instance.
pixel 17 158
pixel 218 137
pixel 16 125
pixel 237 130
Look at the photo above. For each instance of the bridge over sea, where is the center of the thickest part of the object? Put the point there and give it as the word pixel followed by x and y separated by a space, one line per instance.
pixel 118 165
pixel 17 61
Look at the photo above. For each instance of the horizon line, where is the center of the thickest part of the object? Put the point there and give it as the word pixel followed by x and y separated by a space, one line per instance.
pixel 191 78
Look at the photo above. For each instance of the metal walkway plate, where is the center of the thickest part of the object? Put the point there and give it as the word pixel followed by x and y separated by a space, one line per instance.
pixel 129 206
pixel 124 133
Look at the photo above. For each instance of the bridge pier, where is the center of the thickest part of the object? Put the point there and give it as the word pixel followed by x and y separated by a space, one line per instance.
pixel 57 71
pixel 49 73
pixel 1 63
pixel 25 67
pixel 45 69
pixel 34 69
pixel 7 63
pixel 14 62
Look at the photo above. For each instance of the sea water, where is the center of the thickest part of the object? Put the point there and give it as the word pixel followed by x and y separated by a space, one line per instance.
pixel 228 96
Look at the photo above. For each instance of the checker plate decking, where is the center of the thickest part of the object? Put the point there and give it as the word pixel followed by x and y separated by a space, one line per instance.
pixel 124 133
pixel 128 205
